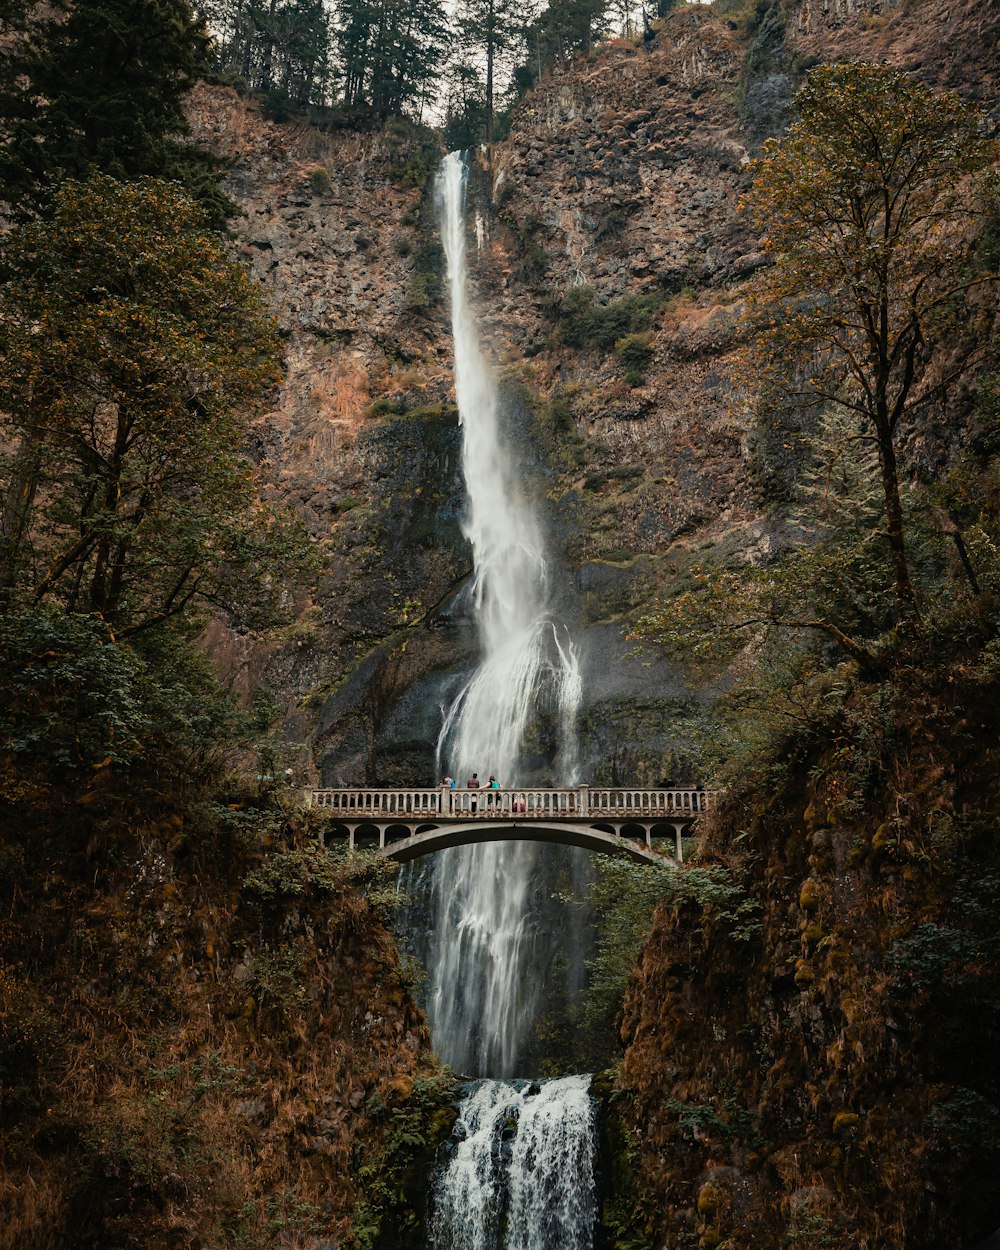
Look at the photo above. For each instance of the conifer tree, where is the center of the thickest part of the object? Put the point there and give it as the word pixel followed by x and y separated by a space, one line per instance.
pixel 391 52
pixel 488 31
pixel 276 46
pixel 98 85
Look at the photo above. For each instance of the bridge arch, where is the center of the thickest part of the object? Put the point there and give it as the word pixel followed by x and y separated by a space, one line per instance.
pixel 588 838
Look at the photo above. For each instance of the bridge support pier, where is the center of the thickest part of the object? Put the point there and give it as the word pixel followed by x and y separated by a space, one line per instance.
pixel 678 848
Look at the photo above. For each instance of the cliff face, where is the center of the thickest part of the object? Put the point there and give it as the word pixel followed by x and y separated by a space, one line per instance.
pixel 815 1058
pixel 609 214
pixel 204 1031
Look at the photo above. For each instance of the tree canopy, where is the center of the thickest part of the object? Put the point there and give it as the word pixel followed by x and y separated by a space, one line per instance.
pixel 133 352
pixel 874 301
pixel 98 85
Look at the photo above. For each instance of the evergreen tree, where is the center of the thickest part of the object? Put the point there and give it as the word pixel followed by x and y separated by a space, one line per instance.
pixel 489 31
pixel 276 46
pixel 391 53
pixel 98 85
pixel 562 30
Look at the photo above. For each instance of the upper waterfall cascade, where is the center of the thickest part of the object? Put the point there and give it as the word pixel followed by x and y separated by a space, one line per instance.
pixel 481 992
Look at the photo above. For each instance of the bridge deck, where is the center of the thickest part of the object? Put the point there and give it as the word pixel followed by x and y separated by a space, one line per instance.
pixel 413 822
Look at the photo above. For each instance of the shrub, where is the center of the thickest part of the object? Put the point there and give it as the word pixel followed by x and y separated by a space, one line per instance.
pixel 584 323
pixel 635 352
pixel 319 181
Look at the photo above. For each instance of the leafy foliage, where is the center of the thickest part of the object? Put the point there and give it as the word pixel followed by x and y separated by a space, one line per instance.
pixel 872 206
pixel 873 304
pixel 625 895
pixel 585 323
pixel 635 352
pixel 132 351
pixel 392 1178
pixel 315 871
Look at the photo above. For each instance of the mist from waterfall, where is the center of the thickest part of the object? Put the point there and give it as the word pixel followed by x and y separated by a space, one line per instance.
pixel 483 992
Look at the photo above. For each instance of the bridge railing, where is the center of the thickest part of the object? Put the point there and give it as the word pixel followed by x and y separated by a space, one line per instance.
pixel 576 802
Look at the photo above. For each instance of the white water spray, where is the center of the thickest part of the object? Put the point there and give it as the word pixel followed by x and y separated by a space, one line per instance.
pixel 483 992
pixel 523 1162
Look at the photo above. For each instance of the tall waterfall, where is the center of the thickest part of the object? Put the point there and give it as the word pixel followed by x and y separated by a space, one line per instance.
pixel 520 1172
pixel 483 992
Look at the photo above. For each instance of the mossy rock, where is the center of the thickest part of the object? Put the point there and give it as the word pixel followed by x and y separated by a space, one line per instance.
pixel 708 1200
pixel 882 838
pixel 845 1121
pixel 812 933
pixel 804 975
pixel 809 895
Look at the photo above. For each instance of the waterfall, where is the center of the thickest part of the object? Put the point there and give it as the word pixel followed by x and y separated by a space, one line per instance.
pixel 483 991
pixel 519 1174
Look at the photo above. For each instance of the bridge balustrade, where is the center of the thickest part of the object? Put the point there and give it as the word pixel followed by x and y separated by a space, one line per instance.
pixel 578 802
pixel 623 802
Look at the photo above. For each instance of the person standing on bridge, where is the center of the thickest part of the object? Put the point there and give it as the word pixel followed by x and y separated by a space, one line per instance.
pixel 473 784
pixel 493 785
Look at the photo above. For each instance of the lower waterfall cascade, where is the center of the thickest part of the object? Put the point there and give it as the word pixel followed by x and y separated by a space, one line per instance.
pixel 519 1172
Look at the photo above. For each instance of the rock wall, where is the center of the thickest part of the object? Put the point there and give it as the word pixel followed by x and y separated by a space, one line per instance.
pixel 203 1026
pixel 813 1059
pixel 619 183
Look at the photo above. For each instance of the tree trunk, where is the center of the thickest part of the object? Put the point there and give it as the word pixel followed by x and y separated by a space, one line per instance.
pixel 489 89
pixel 16 517
pixel 906 599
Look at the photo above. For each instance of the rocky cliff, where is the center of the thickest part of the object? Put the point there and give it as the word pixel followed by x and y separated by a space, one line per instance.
pixel 813 1060
pixel 609 254
pixel 206 1037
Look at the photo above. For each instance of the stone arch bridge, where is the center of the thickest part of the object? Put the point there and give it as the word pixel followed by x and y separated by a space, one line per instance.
pixel 645 825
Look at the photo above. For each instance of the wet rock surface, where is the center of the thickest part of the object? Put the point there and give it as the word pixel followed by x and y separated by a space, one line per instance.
pixel 620 179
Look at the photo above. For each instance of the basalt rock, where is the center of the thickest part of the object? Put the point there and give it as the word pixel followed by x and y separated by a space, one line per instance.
pixel 620 180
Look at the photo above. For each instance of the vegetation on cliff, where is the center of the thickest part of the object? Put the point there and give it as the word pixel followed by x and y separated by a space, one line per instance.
pixel 202 1022
pixel 881 300
pixel 833 1082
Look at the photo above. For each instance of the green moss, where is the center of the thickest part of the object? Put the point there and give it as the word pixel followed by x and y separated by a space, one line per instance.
pixel 319 180
pixel 393 1178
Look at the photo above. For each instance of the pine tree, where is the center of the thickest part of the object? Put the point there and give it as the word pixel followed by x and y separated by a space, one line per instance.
pixel 562 30
pixel 489 31
pixel 276 46
pixel 98 85
pixel 391 52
